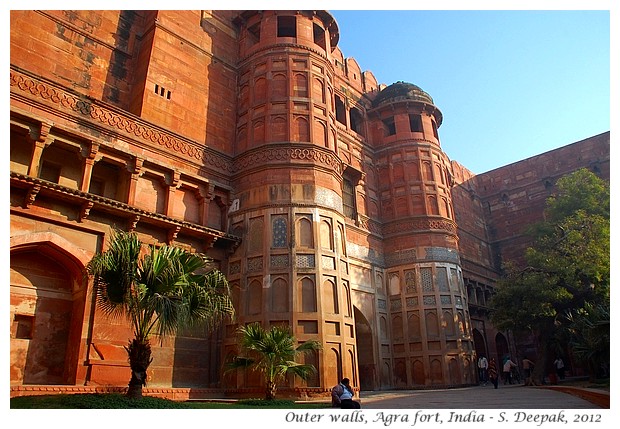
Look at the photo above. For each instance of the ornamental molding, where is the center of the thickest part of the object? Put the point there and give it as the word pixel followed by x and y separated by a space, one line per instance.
pixel 119 121
pixel 288 155
pixel 418 225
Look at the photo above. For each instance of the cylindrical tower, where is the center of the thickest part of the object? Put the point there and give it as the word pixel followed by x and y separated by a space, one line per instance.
pixel 430 337
pixel 291 267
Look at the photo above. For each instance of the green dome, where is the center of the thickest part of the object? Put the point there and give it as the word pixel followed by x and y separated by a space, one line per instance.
pixel 401 91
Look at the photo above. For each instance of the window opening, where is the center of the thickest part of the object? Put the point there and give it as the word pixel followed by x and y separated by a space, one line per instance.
pixel 162 92
pixel 348 199
pixel 415 123
pixel 355 118
pixel 23 326
pixel 97 187
pixel 390 127
pixel 254 34
pixel 340 111
pixel 50 172
pixel 319 35
pixel 287 26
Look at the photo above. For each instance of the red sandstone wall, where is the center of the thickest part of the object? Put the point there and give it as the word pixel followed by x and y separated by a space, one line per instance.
pixel 514 196
pixel 474 247
pixel 90 52
pixel 192 66
pixel 120 56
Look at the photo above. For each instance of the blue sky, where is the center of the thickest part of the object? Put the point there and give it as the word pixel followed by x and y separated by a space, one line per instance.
pixel 510 83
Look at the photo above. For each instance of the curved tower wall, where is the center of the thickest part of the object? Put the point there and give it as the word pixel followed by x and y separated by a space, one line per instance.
pixel 291 267
pixel 429 319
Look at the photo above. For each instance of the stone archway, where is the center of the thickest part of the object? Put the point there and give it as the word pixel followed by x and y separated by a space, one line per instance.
pixel 47 304
pixel 501 346
pixel 365 356
pixel 479 344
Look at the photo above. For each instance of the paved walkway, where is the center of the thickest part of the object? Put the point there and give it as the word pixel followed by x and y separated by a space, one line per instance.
pixel 476 397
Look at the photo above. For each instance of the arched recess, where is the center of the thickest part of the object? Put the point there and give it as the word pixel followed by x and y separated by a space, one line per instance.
pixel 365 352
pixel 333 366
pixel 279 296
pixel 419 377
pixel 47 303
pixel 501 346
pixel 479 344
pixel 454 371
pixel 255 298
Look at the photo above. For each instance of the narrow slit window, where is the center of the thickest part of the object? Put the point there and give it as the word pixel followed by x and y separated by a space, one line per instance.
pixel 348 199
pixel 340 111
pixel 254 34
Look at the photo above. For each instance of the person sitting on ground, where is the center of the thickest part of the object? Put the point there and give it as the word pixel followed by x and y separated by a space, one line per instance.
pixel 342 395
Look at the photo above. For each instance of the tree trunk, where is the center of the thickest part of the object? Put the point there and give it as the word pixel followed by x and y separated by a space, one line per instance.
pixel 540 366
pixel 270 392
pixel 139 351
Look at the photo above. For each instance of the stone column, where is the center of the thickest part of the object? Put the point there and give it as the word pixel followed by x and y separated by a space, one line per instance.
pixel 41 139
pixel 89 152
pixel 135 170
pixel 175 176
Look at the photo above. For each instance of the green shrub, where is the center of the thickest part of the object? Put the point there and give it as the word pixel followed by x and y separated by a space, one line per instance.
pixel 273 403
pixel 92 400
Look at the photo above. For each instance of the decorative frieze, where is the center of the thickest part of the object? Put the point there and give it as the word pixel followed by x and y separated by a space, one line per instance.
pixel 288 155
pixel 123 122
pixel 419 225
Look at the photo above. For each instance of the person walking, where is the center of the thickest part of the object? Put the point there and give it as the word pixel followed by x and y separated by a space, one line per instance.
pixel 508 365
pixel 483 367
pixel 528 366
pixel 492 371
pixel 559 367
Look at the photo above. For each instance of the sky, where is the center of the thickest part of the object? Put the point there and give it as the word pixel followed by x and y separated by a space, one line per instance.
pixel 510 83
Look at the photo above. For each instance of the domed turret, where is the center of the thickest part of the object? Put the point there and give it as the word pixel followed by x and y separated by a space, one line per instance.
pixel 406 92
pixel 401 91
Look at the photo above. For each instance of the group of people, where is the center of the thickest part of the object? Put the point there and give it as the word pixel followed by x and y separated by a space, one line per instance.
pixel 342 393
pixel 488 371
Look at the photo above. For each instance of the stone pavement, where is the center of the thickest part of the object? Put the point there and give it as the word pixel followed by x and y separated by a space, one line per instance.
pixel 475 397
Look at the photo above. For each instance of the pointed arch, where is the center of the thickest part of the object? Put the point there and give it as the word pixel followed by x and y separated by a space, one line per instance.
pixel 301 130
pixel 47 305
pixel 255 298
pixel 279 296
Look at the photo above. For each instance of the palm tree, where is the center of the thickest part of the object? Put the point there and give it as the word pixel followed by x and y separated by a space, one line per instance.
pixel 272 353
pixel 589 329
pixel 159 290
